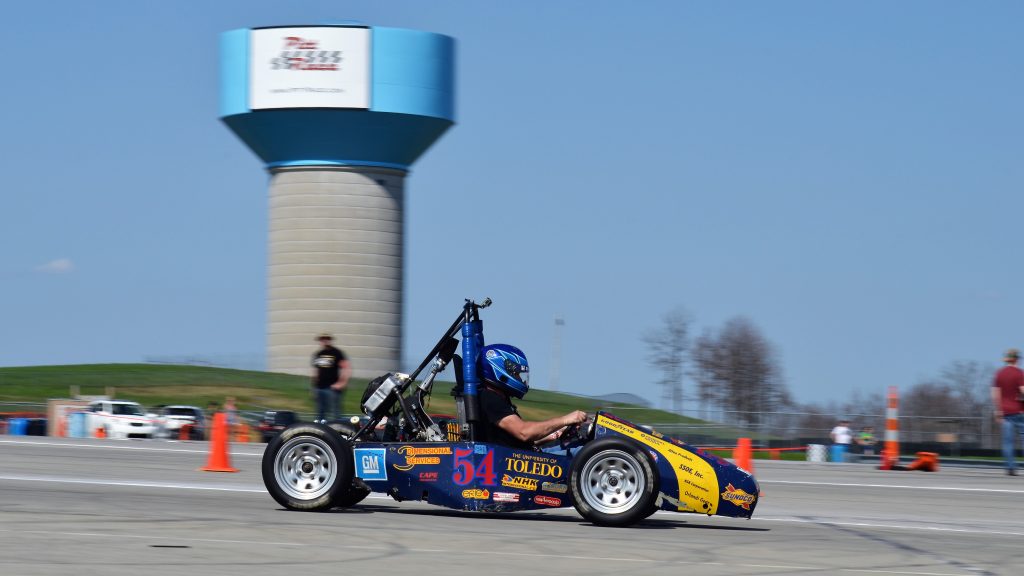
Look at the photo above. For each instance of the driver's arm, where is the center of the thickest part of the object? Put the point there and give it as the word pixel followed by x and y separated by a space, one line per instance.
pixel 534 431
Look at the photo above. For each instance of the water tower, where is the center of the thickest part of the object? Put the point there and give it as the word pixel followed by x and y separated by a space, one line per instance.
pixel 338 114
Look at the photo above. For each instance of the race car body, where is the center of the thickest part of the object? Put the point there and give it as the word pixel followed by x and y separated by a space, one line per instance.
pixel 493 478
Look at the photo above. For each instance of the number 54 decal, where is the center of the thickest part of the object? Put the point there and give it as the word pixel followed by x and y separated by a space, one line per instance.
pixel 465 472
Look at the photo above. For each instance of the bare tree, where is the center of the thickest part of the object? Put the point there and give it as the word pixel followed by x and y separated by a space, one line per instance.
pixel 667 347
pixel 738 370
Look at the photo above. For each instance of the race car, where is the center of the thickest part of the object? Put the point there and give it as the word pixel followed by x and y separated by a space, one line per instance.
pixel 615 473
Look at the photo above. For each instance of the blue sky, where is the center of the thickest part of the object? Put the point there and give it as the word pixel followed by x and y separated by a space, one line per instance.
pixel 846 175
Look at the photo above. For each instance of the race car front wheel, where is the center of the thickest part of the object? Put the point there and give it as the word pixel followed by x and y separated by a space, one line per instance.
pixel 308 467
pixel 613 482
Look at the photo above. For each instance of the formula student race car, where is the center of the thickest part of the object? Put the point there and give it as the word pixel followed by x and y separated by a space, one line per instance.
pixel 613 472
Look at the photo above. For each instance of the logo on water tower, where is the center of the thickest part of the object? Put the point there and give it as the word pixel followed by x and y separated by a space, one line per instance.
pixel 300 53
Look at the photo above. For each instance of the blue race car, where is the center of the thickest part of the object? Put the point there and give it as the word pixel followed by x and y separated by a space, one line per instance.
pixel 613 472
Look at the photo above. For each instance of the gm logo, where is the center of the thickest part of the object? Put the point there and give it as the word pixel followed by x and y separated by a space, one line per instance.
pixel 370 464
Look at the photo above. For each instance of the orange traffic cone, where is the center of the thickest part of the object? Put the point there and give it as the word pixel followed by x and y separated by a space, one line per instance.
pixel 219 460
pixel 241 433
pixel 926 462
pixel 101 432
pixel 741 455
pixel 891 453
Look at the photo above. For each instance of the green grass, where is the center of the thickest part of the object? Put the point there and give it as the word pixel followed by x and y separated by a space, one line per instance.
pixel 153 384
pixel 156 384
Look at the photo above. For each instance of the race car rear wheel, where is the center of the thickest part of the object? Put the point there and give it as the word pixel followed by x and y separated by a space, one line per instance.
pixel 613 482
pixel 308 467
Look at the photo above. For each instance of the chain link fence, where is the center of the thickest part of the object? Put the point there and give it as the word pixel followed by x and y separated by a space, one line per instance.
pixel 946 435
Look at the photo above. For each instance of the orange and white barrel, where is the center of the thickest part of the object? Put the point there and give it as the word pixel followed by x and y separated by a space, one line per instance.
pixel 891 452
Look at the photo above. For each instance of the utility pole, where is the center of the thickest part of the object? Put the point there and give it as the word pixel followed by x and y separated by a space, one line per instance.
pixel 556 352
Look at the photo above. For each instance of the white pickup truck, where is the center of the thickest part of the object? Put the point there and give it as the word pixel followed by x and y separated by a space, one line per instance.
pixel 120 419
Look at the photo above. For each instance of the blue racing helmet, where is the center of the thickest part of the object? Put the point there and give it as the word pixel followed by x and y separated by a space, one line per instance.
pixel 504 367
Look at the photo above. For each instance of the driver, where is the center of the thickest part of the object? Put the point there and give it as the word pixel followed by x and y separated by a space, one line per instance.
pixel 504 372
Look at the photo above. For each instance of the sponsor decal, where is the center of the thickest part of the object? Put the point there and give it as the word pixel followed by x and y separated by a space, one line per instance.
pixel 697 470
pixel 417 455
pixel 693 484
pixel 535 466
pixel 520 482
pixel 505 497
pixel 428 476
pixel 704 503
pixel 547 500
pixel 738 497
pixel 370 463
pixel 553 487
pixel 476 494
pixel 480 448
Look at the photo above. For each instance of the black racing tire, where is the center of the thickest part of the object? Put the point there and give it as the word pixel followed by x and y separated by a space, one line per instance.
pixel 308 467
pixel 614 482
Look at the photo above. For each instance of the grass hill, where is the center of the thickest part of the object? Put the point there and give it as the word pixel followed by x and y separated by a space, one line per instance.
pixel 154 384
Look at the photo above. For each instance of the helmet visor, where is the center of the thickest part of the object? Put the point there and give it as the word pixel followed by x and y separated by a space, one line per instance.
pixel 517 371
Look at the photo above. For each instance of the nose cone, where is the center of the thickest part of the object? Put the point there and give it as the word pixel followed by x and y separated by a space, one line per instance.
pixel 741 494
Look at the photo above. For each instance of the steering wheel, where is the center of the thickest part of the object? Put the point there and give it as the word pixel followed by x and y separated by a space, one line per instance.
pixel 575 434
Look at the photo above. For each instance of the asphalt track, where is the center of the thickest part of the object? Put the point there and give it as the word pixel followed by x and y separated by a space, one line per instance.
pixel 108 507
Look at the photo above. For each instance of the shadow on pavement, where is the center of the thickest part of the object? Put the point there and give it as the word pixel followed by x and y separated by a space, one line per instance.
pixel 649 524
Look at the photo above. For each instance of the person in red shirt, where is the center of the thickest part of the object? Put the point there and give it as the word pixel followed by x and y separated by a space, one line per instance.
pixel 1007 390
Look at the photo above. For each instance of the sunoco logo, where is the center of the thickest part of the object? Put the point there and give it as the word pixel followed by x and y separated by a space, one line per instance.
pixel 738 496
pixel 305 54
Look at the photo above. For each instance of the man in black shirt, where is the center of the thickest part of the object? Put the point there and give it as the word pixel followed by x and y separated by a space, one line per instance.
pixel 331 371
pixel 505 373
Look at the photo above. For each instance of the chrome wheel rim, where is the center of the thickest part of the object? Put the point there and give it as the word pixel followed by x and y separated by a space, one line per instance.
pixel 305 468
pixel 612 482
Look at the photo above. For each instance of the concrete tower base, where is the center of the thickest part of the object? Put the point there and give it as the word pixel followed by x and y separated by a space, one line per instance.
pixel 335 260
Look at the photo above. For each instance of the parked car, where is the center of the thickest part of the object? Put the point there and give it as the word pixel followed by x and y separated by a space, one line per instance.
pixel 120 419
pixel 274 421
pixel 170 419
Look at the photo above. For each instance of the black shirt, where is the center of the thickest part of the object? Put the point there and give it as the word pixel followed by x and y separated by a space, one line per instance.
pixel 493 407
pixel 327 362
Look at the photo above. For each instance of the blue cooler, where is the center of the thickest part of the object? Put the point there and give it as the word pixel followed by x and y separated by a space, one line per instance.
pixel 17 426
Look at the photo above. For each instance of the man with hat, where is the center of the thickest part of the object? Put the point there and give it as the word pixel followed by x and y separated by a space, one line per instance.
pixel 331 371
pixel 1007 391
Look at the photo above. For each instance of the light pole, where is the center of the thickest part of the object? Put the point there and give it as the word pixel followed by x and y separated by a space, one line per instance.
pixel 556 352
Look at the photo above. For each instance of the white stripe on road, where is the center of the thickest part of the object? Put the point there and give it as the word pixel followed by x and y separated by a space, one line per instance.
pixel 115 447
pixel 898 486
pixel 166 485
pixel 101 482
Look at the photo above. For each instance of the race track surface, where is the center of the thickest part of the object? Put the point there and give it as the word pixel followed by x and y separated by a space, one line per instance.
pixel 108 507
